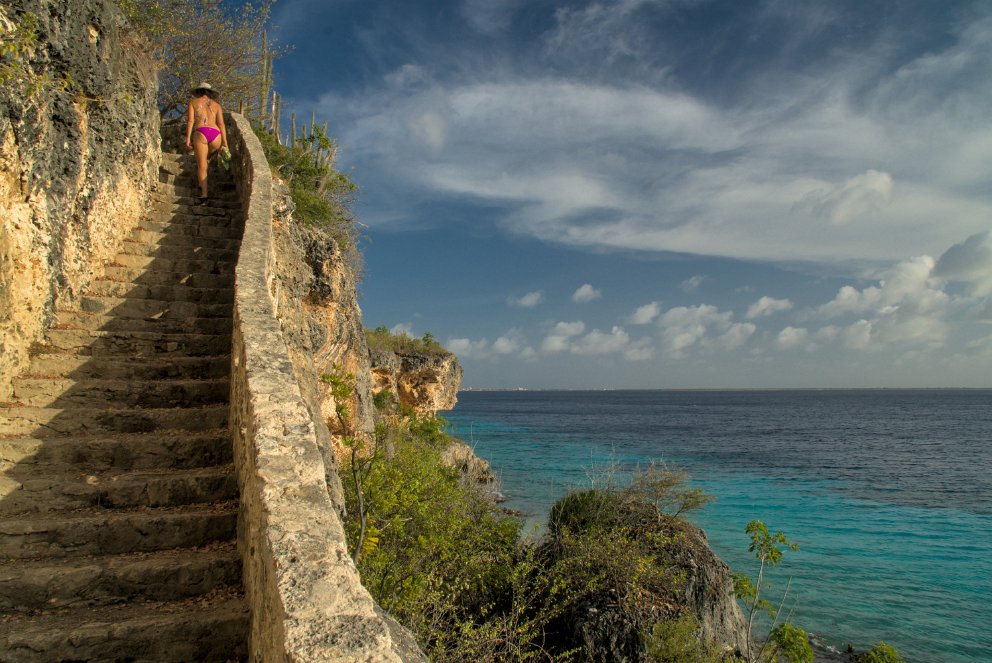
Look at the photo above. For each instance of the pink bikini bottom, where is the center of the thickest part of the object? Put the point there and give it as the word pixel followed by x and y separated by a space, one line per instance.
pixel 209 133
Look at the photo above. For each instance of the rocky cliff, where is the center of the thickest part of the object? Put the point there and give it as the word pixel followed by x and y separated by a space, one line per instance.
pixel 78 154
pixel 425 382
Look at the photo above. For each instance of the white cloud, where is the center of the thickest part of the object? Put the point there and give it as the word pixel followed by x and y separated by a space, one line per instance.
pixel 908 306
pixel 430 130
pixel 792 337
pixel 511 342
pixel 692 284
pixel 489 16
pixel 569 329
pixel 767 306
pixel 559 340
pixel 685 326
pixel 736 336
pixel 858 335
pixel 601 343
pixel 855 198
pixel 586 293
pixel 645 314
pixel 910 282
pixel 530 300
pixel 402 329
pixel 467 348
pixel 969 261
pixel 407 75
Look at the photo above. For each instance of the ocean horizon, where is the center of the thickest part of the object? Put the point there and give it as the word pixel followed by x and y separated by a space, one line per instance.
pixel 883 489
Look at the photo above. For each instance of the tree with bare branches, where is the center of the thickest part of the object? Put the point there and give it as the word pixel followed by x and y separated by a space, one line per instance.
pixel 207 40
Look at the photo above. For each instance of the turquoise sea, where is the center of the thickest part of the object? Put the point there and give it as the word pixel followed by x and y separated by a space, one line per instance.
pixel 888 492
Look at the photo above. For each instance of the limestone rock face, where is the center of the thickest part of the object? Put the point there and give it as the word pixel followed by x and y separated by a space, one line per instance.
pixel 425 382
pixel 709 589
pixel 609 631
pixel 316 300
pixel 79 148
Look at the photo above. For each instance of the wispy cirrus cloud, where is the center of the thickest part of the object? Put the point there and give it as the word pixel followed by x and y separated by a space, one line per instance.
pixel 816 169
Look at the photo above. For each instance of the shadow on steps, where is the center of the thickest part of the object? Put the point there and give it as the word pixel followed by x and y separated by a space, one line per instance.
pixel 118 501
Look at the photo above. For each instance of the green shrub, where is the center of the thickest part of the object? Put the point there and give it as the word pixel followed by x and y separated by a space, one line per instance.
pixel 789 643
pixel 881 653
pixel 679 641
pixel 383 340
pixel 384 400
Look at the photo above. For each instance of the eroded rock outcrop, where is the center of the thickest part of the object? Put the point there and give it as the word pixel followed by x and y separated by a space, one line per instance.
pixel 78 155
pixel 609 535
pixel 316 298
pixel 425 382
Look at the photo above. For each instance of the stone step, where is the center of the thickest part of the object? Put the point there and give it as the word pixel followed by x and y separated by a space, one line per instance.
pixel 96 343
pixel 22 421
pixel 179 247
pixel 168 215
pixel 72 392
pixel 112 532
pixel 185 184
pixel 186 165
pixel 152 308
pixel 167 197
pixel 204 630
pixel 207 227
pixel 121 451
pixel 26 492
pixel 208 265
pixel 145 368
pixel 210 251
pixel 71 320
pixel 218 238
pixel 131 275
pixel 169 575
pixel 181 293
pixel 188 204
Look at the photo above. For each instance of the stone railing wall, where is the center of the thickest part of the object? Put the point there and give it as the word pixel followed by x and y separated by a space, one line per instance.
pixel 307 603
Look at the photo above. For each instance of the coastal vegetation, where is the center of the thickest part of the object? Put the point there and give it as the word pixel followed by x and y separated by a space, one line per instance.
pixel 322 195
pixel 435 551
pixel 608 579
pixel 382 339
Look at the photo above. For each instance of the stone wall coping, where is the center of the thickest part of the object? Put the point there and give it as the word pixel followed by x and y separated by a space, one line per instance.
pixel 306 600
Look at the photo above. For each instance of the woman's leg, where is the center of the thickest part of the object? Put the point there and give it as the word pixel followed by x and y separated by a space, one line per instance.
pixel 201 150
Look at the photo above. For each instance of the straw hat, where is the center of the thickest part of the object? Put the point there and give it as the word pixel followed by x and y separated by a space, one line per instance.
pixel 206 87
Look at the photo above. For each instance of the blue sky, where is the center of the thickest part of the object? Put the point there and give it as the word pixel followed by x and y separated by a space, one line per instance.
pixel 667 193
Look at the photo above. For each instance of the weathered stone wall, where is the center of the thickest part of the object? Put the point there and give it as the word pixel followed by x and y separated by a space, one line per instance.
pixel 78 154
pixel 306 601
pixel 425 382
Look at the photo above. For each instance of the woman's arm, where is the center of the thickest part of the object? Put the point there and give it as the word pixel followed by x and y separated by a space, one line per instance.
pixel 189 125
pixel 220 125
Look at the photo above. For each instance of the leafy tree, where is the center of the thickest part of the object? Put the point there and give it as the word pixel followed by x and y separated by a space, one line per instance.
pixel 783 640
pixel 211 40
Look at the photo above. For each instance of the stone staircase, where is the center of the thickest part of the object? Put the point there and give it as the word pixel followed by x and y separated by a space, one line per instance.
pixel 118 501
